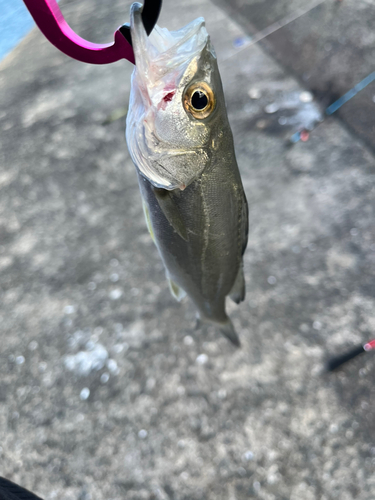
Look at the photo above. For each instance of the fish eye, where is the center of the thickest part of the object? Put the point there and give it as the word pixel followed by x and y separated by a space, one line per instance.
pixel 199 100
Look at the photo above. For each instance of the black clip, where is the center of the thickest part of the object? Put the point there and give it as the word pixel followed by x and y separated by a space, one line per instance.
pixel 150 13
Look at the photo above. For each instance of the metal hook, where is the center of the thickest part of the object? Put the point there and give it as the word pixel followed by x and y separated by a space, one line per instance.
pixel 49 19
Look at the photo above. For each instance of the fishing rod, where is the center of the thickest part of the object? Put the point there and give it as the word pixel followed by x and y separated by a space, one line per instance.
pixel 337 361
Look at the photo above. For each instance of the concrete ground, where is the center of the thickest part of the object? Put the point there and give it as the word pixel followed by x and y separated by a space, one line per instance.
pixel 106 390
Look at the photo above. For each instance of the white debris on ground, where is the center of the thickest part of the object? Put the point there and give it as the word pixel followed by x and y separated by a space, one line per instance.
pixel 85 362
pixel 297 110
pixel 84 394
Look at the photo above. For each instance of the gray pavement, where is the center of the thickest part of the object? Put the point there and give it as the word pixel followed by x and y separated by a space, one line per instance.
pixel 107 391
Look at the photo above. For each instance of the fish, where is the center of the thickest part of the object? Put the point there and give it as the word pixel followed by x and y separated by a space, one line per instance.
pixel 179 138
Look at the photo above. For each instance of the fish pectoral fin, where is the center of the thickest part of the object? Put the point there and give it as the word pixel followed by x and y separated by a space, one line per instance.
pixel 148 220
pixel 237 294
pixel 177 292
pixel 171 212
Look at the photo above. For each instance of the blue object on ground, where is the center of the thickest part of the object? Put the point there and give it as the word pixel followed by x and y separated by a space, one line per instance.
pixel 295 137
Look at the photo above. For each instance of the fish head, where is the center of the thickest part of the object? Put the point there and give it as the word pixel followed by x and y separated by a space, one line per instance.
pixel 176 102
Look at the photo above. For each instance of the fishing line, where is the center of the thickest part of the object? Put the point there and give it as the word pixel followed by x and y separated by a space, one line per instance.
pixel 272 28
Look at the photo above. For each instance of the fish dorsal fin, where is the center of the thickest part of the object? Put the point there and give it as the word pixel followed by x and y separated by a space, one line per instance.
pixel 170 210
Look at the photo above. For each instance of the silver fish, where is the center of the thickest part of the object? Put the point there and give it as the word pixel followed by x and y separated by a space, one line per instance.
pixel 180 141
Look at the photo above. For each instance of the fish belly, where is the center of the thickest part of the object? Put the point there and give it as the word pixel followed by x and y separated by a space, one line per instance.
pixel 207 262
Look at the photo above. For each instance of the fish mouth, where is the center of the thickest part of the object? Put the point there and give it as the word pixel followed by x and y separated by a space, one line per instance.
pixel 138 32
pixel 164 51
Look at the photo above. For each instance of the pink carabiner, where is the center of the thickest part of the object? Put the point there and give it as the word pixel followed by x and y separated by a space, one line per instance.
pixel 51 22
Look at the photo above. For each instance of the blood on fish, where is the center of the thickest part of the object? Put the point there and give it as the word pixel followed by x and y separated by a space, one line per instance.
pixel 166 99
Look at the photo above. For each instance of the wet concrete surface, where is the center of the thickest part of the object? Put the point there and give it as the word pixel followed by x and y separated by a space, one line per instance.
pixel 329 49
pixel 106 390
